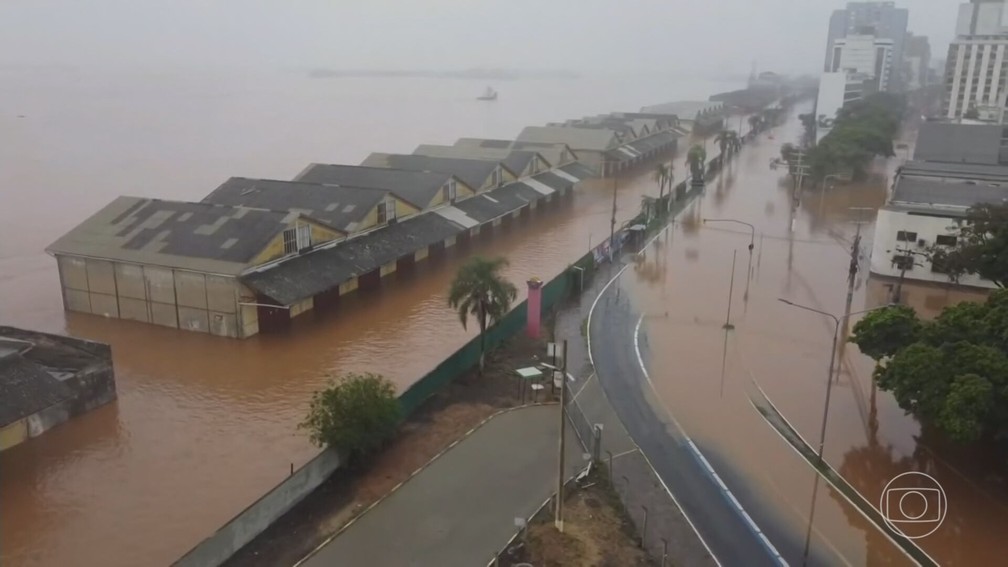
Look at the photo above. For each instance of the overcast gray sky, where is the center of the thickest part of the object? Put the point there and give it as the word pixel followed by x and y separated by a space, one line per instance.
pixel 716 35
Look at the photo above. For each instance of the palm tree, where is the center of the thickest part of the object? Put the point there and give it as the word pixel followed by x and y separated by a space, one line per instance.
pixel 481 291
pixel 755 121
pixel 663 175
pixel 723 139
pixel 697 160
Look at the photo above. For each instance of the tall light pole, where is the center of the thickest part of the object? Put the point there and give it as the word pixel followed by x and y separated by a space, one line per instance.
pixel 612 222
pixel 833 349
pixel 752 244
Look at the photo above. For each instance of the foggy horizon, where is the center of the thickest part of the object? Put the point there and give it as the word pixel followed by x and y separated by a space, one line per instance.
pixel 723 39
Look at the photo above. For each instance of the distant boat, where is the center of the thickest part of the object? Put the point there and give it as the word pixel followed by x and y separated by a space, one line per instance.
pixel 490 94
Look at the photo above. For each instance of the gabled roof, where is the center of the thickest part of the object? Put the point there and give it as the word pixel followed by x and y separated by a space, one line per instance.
pixel 684 109
pixel 414 186
pixel 591 139
pixel 337 206
pixel 514 160
pixel 552 151
pixel 959 143
pixel 964 171
pixel 472 172
pixel 194 236
pixel 321 270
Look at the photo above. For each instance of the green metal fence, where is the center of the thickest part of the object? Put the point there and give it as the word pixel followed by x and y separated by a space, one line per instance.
pixel 465 358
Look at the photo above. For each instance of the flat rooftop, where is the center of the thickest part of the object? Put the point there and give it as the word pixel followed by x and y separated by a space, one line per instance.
pixel 34 366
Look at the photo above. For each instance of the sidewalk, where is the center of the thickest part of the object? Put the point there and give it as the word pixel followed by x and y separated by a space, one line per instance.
pixel 636 481
pixel 461 509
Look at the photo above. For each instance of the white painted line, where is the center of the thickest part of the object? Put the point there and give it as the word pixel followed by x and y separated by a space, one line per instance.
pixel 583 386
pixel 696 453
pixel 772 483
pixel 752 378
pixel 675 501
pixel 625 453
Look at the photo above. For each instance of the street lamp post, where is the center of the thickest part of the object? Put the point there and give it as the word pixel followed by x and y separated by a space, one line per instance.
pixel 833 349
pixel 752 244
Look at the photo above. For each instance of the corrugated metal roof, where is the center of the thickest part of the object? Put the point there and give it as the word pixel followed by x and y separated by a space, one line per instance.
pixel 591 139
pixel 338 206
pixel 416 186
pixel 976 172
pixel 959 143
pixel 195 236
pixel 310 274
pixel 514 160
pixel 948 194
pixel 472 172
pixel 684 109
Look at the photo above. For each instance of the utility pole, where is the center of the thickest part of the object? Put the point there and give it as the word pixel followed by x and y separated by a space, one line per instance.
pixel 612 222
pixel 558 521
pixel 798 170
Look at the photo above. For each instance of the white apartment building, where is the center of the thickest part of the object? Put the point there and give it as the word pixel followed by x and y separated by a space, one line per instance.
pixel 880 19
pixel 837 89
pixel 976 71
pixel 864 54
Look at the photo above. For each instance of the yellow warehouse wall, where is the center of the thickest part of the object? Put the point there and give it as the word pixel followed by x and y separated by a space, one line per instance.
pixel 403 210
pixel 274 249
pixel 13 434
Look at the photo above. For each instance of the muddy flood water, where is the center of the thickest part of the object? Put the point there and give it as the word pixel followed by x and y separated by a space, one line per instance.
pixel 203 425
pixel 706 376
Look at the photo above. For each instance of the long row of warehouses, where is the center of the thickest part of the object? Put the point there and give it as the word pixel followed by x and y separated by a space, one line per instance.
pixel 255 253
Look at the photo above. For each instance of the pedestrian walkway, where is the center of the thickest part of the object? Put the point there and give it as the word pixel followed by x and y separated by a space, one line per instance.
pixel 461 509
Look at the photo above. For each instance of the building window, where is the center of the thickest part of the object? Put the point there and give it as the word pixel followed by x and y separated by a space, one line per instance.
pixel 303 236
pixel 938 266
pixel 290 241
pixel 903 262
pixel 905 236
pixel 297 239
pixel 386 211
pixel 945 240
pixel 449 192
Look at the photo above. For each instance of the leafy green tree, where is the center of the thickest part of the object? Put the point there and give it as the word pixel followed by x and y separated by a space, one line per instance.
pixel 697 160
pixel 480 290
pixel 884 332
pixel 862 130
pixel 981 246
pixel 726 140
pixel 356 414
pixel 755 123
pixel 952 372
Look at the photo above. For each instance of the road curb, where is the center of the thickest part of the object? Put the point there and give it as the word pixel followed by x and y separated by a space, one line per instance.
pixel 420 469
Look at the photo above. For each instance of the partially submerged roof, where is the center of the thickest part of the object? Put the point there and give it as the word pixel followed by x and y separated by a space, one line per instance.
pixel 337 206
pixel 26 388
pixel 514 160
pixel 591 139
pixel 960 143
pixel 415 186
pixel 684 109
pixel 196 236
pixel 472 172
pixel 321 270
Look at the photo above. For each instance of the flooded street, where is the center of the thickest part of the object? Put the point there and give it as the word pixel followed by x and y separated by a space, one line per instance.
pixel 706 376
pixel 203 425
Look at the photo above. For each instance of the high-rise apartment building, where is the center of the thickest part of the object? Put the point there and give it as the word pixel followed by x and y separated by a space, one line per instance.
pixel 883 20
pixel 976 71
pixel 865 55
pixel 916 61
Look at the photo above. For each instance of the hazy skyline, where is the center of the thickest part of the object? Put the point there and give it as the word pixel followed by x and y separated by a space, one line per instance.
pixel 636 35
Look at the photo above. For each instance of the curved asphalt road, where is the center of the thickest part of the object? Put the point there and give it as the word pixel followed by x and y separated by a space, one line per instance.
pixel 729 536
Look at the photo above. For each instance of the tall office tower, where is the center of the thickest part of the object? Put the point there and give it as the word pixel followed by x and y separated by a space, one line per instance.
pixel 882 20
pixel 976 71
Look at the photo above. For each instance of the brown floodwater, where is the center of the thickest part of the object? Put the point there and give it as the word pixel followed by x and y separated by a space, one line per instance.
pixel 204 425
pixel 706 376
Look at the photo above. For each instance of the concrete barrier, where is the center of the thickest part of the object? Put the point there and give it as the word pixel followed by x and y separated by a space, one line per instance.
pixel 253 520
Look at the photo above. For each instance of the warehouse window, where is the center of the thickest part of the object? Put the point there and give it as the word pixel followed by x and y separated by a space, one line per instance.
pixel 290 240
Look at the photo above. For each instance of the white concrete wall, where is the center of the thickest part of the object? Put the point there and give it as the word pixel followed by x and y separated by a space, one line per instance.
pixel 885 246
pixel 831 98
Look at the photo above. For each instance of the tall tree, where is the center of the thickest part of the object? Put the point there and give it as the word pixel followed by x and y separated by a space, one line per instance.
pixel 755 122
pixel 724 141
pixel 697 160
pixel 952 372
pixel 480 290
pixel 981 246
pixel 663 175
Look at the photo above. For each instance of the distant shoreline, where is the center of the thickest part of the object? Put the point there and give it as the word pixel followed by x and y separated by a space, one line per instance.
pixel 482 74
